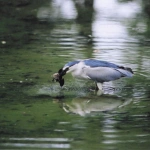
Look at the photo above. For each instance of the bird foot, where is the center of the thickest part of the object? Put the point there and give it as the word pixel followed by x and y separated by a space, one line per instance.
pixel 100 92
pixel 97 92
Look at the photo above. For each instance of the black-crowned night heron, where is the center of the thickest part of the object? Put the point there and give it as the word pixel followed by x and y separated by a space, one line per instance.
pixel 96 70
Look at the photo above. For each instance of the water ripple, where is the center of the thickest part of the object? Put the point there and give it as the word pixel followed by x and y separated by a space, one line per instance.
pixel 26 142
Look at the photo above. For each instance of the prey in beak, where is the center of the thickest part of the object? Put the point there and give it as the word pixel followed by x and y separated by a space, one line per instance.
pixel 58 76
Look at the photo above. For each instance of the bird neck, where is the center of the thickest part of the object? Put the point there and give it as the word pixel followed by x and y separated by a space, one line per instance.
pixel 77 70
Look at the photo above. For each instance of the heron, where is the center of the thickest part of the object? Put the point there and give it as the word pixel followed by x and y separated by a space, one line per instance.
pixel 91 69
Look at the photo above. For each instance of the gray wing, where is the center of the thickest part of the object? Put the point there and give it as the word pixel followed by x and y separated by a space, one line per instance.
pixel 99 63
pixel 105 74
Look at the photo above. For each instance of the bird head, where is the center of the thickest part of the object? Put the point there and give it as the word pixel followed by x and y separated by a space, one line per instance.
pixel 58 76
pixel 61 72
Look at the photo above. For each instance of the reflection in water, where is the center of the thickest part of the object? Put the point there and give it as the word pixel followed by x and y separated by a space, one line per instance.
pixel 113 9
pixel 57 10
pixel 89 105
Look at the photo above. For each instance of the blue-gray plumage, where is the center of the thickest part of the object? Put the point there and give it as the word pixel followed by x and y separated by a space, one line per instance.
pixel 96 70
pixel 71 63
pixel 99 63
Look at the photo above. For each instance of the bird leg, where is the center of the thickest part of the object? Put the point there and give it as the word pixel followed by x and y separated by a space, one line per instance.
pixel 99 86
pixel 96 87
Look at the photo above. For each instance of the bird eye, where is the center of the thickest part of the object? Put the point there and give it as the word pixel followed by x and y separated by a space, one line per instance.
pixel 66 69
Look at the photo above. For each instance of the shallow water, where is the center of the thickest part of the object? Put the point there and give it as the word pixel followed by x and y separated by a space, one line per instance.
pixel 37 113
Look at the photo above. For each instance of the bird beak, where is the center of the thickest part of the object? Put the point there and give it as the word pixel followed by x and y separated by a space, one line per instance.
pixel 61 73
pixel 58 76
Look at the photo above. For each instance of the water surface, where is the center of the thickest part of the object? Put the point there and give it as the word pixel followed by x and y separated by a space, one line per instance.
pixel 36 112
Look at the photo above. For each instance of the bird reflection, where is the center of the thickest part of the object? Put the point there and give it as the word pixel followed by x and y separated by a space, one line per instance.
pixel 88 105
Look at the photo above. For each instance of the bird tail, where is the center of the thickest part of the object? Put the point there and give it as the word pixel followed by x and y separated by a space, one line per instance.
pixel 129 69
pixel 126 71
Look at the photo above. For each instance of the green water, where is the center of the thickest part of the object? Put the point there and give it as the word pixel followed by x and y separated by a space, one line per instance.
pixel 37 39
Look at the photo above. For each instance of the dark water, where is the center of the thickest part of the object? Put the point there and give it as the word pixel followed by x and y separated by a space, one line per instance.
pixel 37 39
